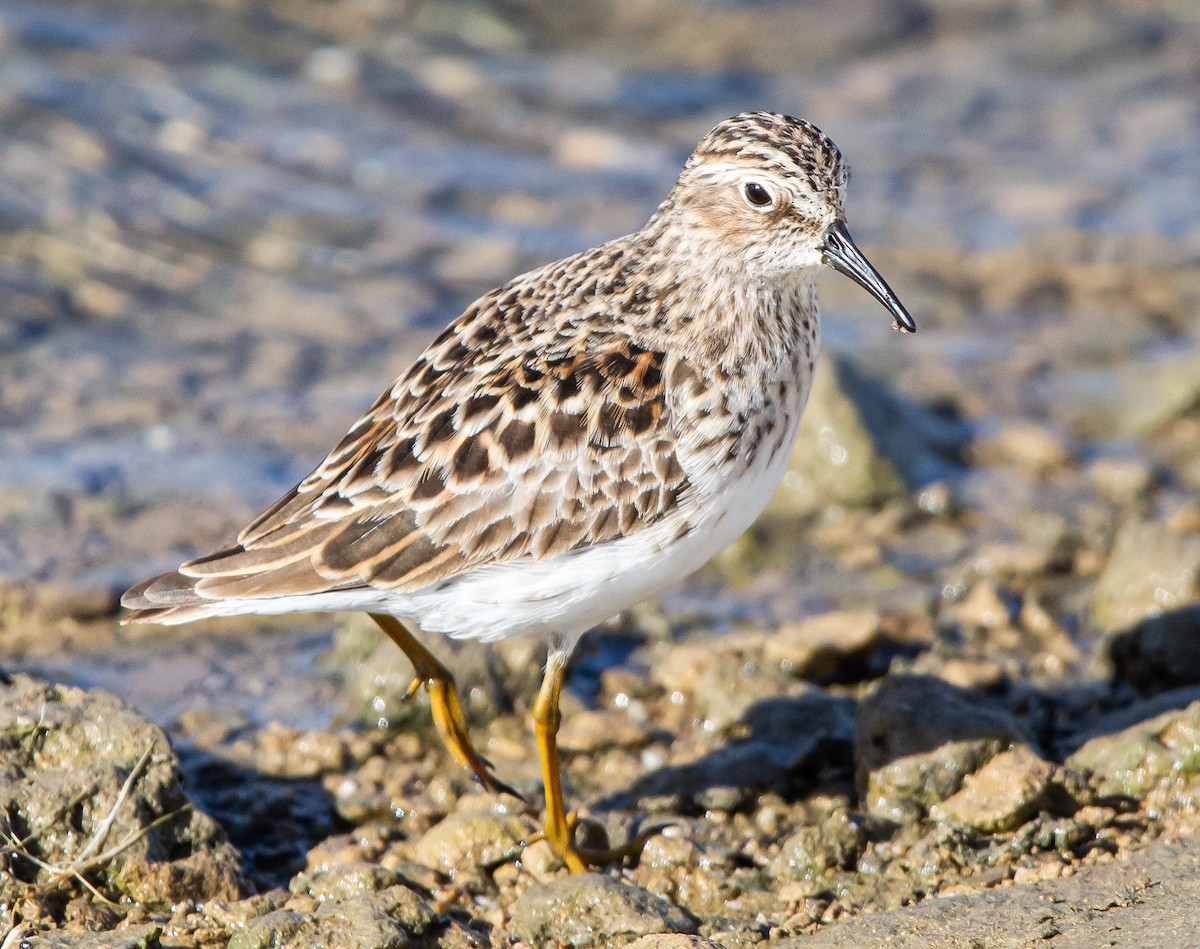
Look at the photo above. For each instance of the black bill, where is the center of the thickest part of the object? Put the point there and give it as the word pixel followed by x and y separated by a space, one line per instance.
pixel 843 255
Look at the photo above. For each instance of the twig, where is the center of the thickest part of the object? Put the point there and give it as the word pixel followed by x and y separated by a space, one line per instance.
pixel 14 937
pixel 82 866
pixel 106 824
pixel 87 860
pixel 58 873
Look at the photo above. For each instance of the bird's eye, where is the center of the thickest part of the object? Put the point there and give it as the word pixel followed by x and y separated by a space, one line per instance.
pixel 758 196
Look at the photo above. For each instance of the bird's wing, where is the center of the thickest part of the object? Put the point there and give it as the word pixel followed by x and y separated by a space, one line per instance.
pixel 510 437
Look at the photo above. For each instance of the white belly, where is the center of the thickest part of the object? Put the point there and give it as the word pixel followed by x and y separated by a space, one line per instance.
pixel 567 595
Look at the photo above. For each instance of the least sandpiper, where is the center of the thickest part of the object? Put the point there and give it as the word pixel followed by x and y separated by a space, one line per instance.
pixel 580 438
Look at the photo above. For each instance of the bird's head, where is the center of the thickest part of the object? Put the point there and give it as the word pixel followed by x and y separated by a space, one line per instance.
pixel 764 194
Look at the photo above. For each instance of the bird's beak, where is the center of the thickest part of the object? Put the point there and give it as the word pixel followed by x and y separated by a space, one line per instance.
pixel 841 253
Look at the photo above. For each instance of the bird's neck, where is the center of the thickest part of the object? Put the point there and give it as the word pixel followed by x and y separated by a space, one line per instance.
pixel 724 316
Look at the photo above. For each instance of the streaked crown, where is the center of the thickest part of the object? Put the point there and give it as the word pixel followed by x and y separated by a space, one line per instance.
pixel 793 147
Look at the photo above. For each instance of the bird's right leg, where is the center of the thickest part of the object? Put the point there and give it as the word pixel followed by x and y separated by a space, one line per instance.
pixel 447 711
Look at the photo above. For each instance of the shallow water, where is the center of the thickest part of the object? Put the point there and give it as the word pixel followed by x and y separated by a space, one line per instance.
pixel 224 231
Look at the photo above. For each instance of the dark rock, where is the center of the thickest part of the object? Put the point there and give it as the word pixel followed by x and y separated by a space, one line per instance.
pixel 1160 652
pixel 916 738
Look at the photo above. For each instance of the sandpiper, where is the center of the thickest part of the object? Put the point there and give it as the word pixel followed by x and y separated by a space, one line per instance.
pixel 580 438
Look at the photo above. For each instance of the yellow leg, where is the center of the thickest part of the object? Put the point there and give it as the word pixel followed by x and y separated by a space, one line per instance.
pixel 447 711
pixel 560 828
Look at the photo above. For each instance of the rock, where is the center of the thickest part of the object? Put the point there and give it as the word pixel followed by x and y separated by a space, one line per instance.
pixel 1025 445
pixel 983 607
pixel 1150 569
pixel 389 919
pixel 137 937
pixel 916 739
pixel 837 458
pixel 472 839
pixel 820 647
pixel 672 941
pixel 861 442
pixel 1001 795
pixel 1160 652
pixel 344 880
pixel 65 762
pixel 1135 760
pixel 833 845
pixel 593 910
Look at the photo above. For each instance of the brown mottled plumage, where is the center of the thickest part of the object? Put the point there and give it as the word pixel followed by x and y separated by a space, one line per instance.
pixel 580 437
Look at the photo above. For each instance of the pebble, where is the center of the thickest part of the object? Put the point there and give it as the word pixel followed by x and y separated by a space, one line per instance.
pixel 833 845
pixel 821 646
pixel 983 607
pixel 1151 569
pixel 472 839
pixel 593 910
pixel 1002 794
pixel 1026 445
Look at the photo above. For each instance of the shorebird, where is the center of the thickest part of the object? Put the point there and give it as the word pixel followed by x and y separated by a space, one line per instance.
pixel 580 438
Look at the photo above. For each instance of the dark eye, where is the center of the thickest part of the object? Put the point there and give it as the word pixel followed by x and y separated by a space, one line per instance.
pixel 756 194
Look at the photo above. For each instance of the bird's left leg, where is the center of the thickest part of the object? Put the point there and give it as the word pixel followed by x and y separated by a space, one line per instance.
pixel 447 710
pixel 560 827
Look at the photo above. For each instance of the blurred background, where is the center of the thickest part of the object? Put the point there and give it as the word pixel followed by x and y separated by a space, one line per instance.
pixel 226 225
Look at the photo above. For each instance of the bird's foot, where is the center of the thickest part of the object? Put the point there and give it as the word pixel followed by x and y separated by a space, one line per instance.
pixel 578 857
pixel 451 724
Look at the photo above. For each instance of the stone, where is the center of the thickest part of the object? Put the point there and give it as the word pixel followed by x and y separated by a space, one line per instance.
pixel 344 880
pixel 390 919
pixel 672 941
pixel 983 607
pixel 834 844
pixel 64 767
pixel 819 647
pixel 1001 795
pixel 1151 569
pixel 1160 652
pixel 472 839
pixel 837 458
pixel 1025 445
pixel 593 910
pixel 916 738
pixel 1135 760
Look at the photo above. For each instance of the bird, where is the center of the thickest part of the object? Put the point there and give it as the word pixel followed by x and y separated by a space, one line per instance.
pixel 580 438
